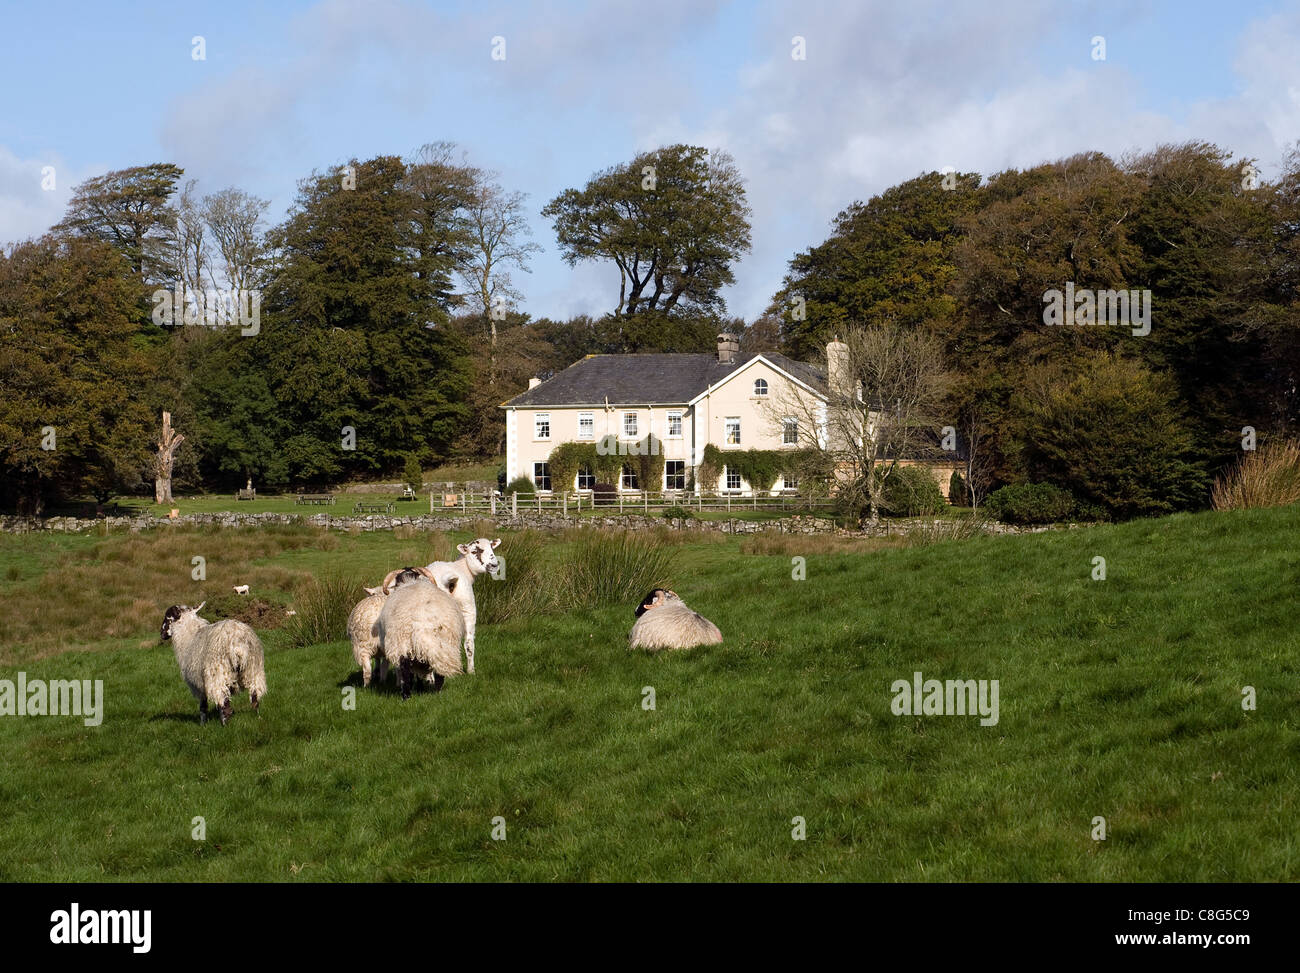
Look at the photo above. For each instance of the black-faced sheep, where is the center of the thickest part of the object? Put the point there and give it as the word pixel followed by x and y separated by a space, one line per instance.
pixel 216 659
pixel 664 621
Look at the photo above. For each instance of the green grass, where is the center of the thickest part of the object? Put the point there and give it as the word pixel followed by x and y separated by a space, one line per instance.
pixel 1119 698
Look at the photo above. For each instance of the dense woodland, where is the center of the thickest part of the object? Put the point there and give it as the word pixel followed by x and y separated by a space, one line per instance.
pixel 387 305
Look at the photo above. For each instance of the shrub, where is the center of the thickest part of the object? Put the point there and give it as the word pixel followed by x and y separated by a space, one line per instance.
pixel 1267 477
pixel 614 568
pixel 603 494
pixel 520 484
pixel 910 491
pixel 522 590
pixel 323 604
pixel 677 513
pixel 1030 503
pixel 957 490
pixel 414 474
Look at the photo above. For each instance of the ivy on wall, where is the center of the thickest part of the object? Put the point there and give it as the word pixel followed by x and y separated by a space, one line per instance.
pixel 760 468
pixel 605 459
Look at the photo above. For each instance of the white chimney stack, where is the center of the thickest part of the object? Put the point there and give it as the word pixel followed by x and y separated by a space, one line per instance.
pixel 837 367
pixel 534 382
pixel 728 349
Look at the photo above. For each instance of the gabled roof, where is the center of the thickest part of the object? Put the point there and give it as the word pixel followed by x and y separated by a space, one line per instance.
pixel 651 379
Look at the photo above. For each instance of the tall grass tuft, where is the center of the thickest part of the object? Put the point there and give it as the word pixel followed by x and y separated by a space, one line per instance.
pixel 614 567
pixel 523 590
pixel 323 604
pixel 1267 477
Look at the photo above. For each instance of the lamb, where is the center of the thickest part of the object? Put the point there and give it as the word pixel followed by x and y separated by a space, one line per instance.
pixel 420 630
pixel 476 559
pixel 216 658
pixel 664 621
pixel 241 589
pixel 365 646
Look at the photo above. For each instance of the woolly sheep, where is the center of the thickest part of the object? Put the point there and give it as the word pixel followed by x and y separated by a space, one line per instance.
pixel 216 658
pixel 365 645
pixel 420 629
pixel 476 559
pixel 664 621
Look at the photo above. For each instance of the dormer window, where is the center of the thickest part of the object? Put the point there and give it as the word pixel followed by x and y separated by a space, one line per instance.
pixel 760 386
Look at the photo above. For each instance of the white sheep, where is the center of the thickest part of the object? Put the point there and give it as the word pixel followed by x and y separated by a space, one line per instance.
pixel 216 658
pixel 361 622
pixel 476 559
pixel 664 621
pixel 420 629
pixel 241 589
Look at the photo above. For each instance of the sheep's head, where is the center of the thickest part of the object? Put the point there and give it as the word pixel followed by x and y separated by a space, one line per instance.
pixel 656 598
pixel 173 615
pixel 478 554
pixel 395 579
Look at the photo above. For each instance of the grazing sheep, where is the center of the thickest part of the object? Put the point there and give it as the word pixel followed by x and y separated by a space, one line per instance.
pixel 241 589
pixel 420 629
pixel 365 646
pixel 664 621
pixel 476 558
pixel 216 658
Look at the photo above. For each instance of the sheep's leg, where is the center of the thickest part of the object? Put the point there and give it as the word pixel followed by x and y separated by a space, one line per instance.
pixel 404 678
pixel 438 680
pixel 226 710
pixel 383 671
pixel 365 672
pixel 253 698
pixel 203 710
pixel 469 641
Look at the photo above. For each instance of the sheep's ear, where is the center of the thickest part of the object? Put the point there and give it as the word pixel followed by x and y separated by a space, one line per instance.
pixel 463 548
pixel 496 543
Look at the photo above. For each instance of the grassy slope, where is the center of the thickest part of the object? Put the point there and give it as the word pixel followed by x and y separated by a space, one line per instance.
pixel 1118 698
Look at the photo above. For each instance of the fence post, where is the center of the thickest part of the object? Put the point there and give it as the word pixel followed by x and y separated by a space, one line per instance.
pixel 430 501
pixel 492 502
pixel 566 504
pixel 645 496
pixel 539 503
pixel 620 501
pixel 728 503
pixel 464 508
pixel 514 505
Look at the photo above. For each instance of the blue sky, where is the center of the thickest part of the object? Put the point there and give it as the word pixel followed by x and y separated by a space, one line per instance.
pixel 888 90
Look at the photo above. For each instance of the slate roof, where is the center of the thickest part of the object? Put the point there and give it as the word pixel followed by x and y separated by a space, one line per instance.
pixel 651 379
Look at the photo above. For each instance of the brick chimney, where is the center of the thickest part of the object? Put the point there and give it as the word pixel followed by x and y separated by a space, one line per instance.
pixel 728 349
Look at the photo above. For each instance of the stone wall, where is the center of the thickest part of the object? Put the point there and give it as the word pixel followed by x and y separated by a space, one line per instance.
pixel 430 522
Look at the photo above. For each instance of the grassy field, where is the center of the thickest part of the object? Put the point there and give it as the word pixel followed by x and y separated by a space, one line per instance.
pixel 1118 698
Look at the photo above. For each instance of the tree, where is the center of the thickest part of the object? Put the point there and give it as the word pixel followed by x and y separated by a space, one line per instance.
pixel 497 228
pixel 672 221
pixel 886 385
pixel 233 219
pixel 168 442
pixel 73 373
pixel 887 260
pixel 129 209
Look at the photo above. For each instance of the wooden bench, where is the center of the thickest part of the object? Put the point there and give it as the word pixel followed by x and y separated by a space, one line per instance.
pixel 407 494
pixel 246 495
pixel 317 498
pixel 373 507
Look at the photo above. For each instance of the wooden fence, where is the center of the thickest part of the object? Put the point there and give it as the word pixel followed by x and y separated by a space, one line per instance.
pixel 633 501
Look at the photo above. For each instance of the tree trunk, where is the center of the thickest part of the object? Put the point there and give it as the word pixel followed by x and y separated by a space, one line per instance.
pixel 168 442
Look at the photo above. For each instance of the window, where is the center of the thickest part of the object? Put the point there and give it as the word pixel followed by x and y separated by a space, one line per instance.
pixel 675 474
pixel 628 478
pixel 733 480
pixel 674 424
pixel 760 386
pixel 542 425
pixel 789 432
pixel 586 425
pixel 542 476
pixel 789 481
pixel 629 425
pixel 733 431
pixel 586 479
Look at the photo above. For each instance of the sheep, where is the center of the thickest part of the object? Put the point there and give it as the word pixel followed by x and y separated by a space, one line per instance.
pixel 476 558
pixel 241 589
pixel 664 621
pixel 215 658
pixel 420 630
pixel 365 646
